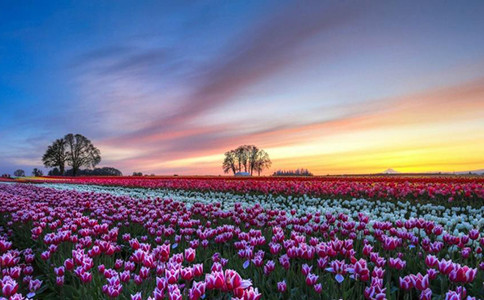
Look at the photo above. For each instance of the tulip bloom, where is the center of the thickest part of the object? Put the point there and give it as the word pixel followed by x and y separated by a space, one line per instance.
pixel 311 279
pixel 9 286
pixel 189 254
pixel 281 286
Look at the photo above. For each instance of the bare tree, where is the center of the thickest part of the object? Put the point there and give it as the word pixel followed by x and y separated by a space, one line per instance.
pixel 247 158
pixel 241 156
pixel 56 155
pixel 229 162
pixel 252 153
pixel 81 152
pixel 263 161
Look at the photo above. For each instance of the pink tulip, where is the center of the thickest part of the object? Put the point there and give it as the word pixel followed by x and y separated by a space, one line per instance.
pixel 281 286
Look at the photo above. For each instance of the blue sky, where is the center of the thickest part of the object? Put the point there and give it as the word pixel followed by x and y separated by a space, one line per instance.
pixel 167 87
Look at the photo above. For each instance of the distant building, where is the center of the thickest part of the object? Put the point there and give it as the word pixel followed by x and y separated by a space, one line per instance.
pixel 242 174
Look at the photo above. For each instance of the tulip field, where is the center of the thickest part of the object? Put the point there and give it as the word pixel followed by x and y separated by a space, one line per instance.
pixel 347 237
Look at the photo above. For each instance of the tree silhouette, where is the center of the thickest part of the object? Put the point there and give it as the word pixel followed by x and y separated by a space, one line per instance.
pixel 297 172
pixel 56 155
pixel 247 158
pixel 37 173
pixel 254 154
pixel 262 162
pixel 54 172
pixel 74 150
pixel 19 173
pixel 229 162
pixel 104 171
pixel 81 152
pixel 242 156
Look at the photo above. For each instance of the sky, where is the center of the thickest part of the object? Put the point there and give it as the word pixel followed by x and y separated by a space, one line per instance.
pixel 166 87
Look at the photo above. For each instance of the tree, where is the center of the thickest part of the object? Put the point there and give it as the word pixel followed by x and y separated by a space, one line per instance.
pixel 137 174
pixel 19 173
pixel 297 172
pixel 81 152
pixel 246 158
pixel 56 155
pixel 37 173
pixel 242 157
pixel 253 153
pixel 229 162
pixel 263 162
pixel 54 172
pixel 104 171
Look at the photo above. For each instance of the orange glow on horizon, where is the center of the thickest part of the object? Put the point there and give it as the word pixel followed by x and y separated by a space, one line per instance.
pixel 436 131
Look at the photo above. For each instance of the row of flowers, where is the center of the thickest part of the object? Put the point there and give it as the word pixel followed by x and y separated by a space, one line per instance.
pixel 454 219
pixel 90 244
pixel 469 189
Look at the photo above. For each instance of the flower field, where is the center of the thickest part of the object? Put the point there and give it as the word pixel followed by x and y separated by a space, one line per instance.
pixel 251 238
pixel 450 188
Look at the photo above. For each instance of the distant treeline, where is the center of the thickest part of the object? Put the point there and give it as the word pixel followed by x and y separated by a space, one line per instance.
pixel 105 171
pixel 297 172
pixel 141 174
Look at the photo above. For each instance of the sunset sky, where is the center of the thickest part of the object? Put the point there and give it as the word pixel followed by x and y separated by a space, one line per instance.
pixel 167 87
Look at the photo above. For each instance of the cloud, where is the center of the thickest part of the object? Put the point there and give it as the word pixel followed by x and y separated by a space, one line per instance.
pixel 123 61
pixel 261 52
pixel 126 93
pixel 103 53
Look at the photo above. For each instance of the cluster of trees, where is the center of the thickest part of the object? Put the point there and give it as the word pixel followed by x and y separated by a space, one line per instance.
pixel 246 158
pixel 74 150
pixel 141 174
pixel 105 171
pixel 297 172
pixel 37 172
pixel 21 173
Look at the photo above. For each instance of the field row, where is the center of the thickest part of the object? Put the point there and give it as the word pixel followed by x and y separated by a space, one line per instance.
pixel 454 219
pixel 430 188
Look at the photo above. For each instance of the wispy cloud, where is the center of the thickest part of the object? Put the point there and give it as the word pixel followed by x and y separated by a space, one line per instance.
pixel 132 81
pixel 260 52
